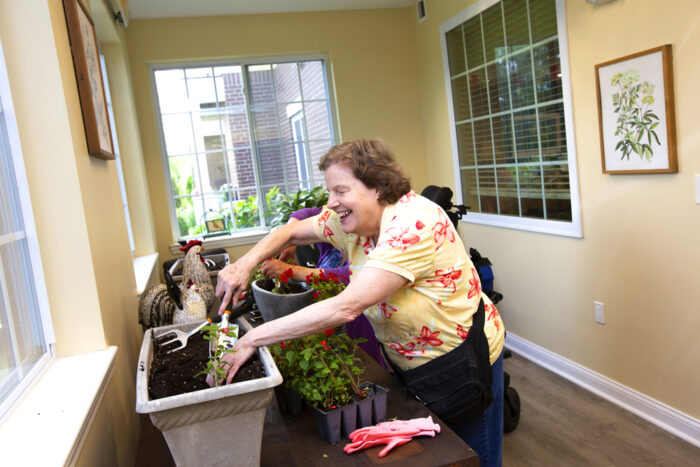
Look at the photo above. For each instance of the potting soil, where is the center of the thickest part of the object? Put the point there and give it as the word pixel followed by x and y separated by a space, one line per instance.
pixel 174 373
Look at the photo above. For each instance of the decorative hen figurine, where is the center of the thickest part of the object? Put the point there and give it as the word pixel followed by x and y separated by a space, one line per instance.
pixel 195 272
pixel 193 308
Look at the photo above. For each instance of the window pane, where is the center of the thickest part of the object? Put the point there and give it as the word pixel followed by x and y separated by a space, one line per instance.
pixel 213 169
pixel 9 376
pixel 313 83
pixel 522 90
pixel 10 214
pixel 460 98
pixel 286 76
pixel 465 144
pixel 202 92
pixel 265 124
pixel 487 191
pixel 272 169
pixel 317 120
pixel 557 192
pixel 525 124
pixel 470 192
pixel 183 175
pixel 261 84
pixel 484 143
pixel 530 182
pixel 543 17
pixel 547 71
pixel 498 86
pixel 517 34
pixel 455 51
pixel 553 132
pixel 493 33
pixel 172 91
pixel 502 139
pixel 508 192
pixel 473 43
pixel 188 210
pixel 479 97
pixel 178 134
pixel 317 149
pixel 24 309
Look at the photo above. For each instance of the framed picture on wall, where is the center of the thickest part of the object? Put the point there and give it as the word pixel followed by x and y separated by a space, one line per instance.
pixel 86 61
pixel 636 113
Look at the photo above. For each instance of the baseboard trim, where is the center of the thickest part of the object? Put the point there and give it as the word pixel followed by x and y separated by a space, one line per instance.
pixel 661 415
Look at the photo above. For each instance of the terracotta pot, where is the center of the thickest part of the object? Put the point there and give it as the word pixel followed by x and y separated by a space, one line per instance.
pixel 273 306
pixel 210 426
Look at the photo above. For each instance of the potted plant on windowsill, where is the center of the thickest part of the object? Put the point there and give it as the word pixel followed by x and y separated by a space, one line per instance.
pixel 208 426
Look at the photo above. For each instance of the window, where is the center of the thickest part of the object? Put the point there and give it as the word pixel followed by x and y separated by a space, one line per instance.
pixel 25 324
pixel 234 134
pixel 506 74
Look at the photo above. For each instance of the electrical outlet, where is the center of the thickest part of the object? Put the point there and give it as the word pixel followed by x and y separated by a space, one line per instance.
pixel 599 312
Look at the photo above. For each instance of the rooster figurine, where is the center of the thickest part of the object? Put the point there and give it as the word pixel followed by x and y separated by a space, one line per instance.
pixel 194 271
pixel 193 307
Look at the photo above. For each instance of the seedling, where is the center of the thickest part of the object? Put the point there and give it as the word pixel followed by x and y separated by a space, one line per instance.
pixel 221 338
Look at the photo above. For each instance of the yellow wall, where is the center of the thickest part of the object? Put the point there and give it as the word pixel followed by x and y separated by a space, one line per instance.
pixel 640 253
pixel 77 209
pixel 374 70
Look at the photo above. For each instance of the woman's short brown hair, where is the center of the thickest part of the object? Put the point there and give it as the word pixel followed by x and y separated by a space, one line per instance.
pixel 372 162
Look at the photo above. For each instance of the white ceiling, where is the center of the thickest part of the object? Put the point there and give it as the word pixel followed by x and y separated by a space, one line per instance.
pixel 141 9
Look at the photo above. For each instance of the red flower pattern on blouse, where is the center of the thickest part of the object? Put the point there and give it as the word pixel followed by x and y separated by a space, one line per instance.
pixel 447 277
pixel 366 246
pixel 461 332
pixel 407 197
pixel 324 218
pixel 492 315
pixel 386 309
pixel 400 238
pixel 428 337
pixel 475 285
pixel 442 230
pixel 407 350
pixel 419 225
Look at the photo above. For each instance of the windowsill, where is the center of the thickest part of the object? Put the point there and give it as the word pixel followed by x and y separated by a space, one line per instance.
pixel 250 237
pixel 143 268
pixel 49 424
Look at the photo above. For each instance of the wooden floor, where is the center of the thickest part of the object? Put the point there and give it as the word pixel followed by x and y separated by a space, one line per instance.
pixel 561 424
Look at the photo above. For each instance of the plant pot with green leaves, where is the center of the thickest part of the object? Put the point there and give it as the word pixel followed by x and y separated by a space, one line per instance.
pixel 325 371
pixel 282 296
pixel 205 425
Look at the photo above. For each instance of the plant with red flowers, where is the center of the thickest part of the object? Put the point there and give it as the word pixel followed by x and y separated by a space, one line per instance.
pixel 325 285
pixel 322 368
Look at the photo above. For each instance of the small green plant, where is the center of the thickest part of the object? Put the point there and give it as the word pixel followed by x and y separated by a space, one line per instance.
pixel 636 123
pixel 216 366
pixel 323 368
pixel 282 205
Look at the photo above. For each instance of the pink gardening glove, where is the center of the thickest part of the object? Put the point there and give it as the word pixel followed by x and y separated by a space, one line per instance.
pixel 393 433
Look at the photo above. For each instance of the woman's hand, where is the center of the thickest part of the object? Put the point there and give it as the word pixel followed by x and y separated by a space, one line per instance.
pixel 287 253
pixel 233 361
pixel 231 283
pixel 272 268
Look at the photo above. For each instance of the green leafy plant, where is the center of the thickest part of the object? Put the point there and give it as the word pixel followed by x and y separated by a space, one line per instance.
pixel 216 367
pixel 636 123
pixel 323 368
pixel 282 205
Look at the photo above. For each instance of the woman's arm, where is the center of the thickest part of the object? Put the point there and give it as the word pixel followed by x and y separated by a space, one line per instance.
pixel 233 279
pixel 369 287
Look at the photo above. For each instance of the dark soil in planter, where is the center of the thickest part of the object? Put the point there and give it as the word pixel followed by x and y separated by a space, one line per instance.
pixel 174 373
pixel 288 288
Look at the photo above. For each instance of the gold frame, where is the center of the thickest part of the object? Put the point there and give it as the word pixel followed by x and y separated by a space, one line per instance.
pixel 667 144
pixel 88 72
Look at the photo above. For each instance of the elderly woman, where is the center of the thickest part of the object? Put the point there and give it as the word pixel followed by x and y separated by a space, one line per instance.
pixel 413 280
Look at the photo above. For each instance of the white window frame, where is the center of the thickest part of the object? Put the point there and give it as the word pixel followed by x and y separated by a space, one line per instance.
pixel 299 136
pixel 253 235
pixel 568 229
pixel 31 236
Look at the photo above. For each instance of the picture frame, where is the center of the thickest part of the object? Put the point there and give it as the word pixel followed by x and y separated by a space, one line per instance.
pixel 216 225
pixel 88 72
pixel 636 113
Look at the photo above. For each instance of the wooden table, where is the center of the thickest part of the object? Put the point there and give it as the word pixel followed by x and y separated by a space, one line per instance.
pixel 293 440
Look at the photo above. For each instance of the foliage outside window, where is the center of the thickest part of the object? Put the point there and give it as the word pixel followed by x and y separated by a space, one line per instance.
pixel 509 102
pixel 239 136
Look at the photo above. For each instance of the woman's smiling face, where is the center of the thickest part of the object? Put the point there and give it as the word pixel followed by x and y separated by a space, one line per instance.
pixel 357 205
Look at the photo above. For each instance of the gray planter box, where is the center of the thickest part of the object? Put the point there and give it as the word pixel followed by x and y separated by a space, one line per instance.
pixel 273 306
pixel 215 426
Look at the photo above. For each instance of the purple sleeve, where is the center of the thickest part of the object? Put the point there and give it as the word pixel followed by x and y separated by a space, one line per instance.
pixel 342 272
pixel 302 214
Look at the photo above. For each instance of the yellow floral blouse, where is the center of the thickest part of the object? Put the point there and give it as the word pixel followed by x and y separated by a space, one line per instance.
pixel 432 314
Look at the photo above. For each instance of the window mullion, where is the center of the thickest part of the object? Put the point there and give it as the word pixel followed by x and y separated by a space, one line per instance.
pixel 224 151
pixel 307 147
pixel 283 161
pixel 10 322
pixel 196 154
pixel 490 115
pixel 252 131
pixel 471 117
